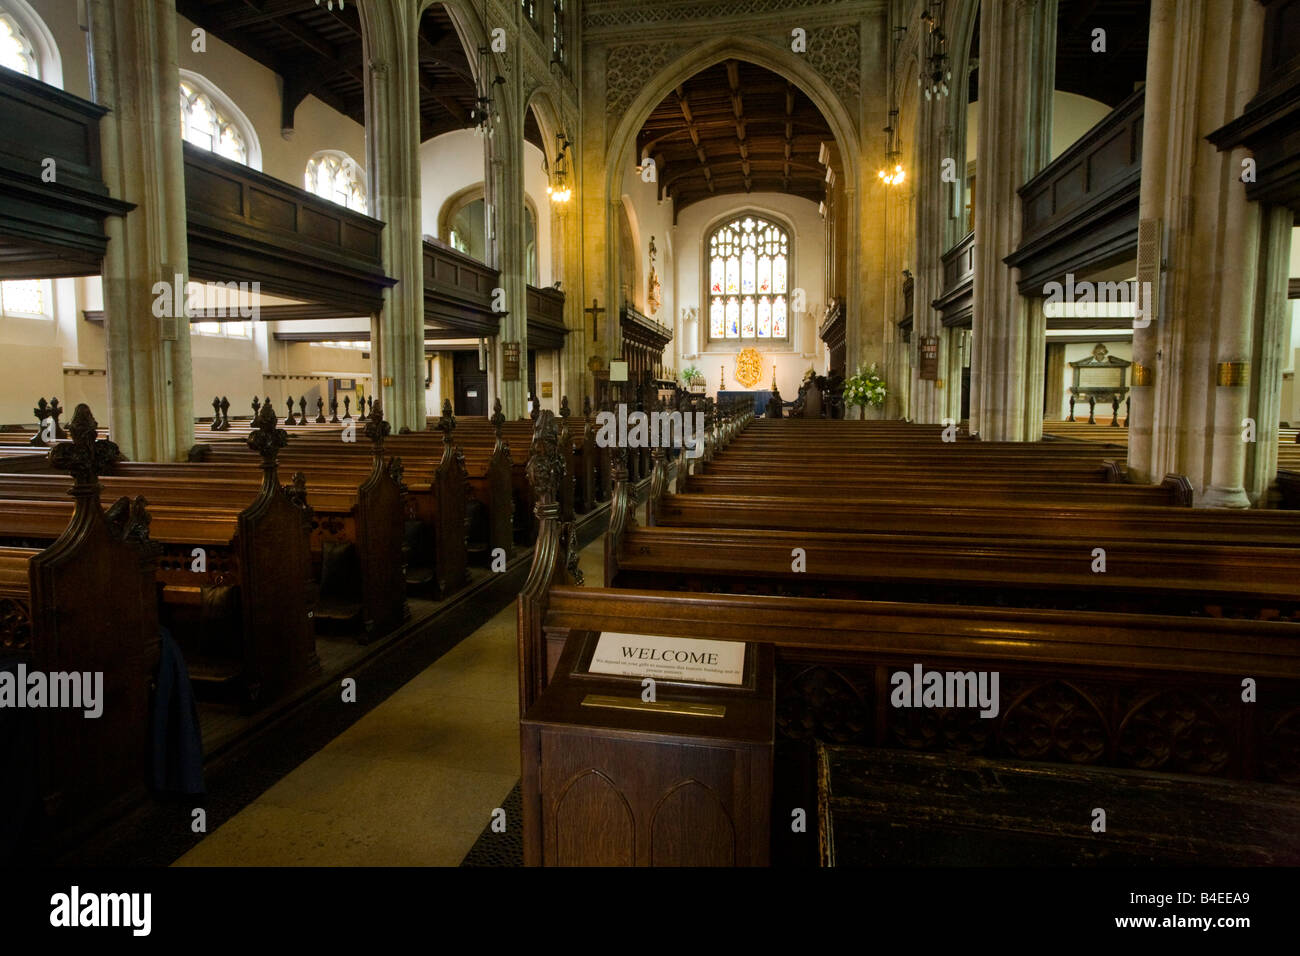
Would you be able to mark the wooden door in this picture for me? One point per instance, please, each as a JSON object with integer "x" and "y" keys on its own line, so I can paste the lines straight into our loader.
{"x": 470, "y": 383}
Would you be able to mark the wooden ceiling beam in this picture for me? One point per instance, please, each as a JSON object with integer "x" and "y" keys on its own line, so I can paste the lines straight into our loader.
{"x": 789, "y": 131}
{"x": 684, "y": 104}
{"x": 738, "y": 113}
{"x": 242, "y": 14}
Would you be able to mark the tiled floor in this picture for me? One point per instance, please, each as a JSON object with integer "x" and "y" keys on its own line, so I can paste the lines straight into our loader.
{"x": 413, "y": 782}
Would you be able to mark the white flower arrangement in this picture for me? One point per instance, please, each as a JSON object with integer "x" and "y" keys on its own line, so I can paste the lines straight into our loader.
{"x": 865, "y": 388}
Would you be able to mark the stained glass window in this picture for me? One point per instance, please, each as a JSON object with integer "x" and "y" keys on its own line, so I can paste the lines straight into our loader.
{"x": 749, "y": 260}
{"x": 203, "y": 125}
{"x": 717, "y": 330}
{"x": 336, "y": 177}
{"x": 15, "y": 49}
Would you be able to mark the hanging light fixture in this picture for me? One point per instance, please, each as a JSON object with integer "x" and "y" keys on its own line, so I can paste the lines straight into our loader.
{"x": 934, "y": 83}
{"x": 893, "y": 174}
{"x": 558, "y": 188}
{"x": 484, "y": 115}
{"x": 329, "y": 4}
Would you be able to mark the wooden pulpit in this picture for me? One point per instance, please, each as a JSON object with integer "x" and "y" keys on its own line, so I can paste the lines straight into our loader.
{"x": 611, "y": 779}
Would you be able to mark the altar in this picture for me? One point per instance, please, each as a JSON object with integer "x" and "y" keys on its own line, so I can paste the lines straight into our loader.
{"x": 760, "y": 398}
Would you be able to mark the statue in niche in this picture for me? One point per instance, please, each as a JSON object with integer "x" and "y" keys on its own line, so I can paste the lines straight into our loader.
{"x": 656, "y": 296}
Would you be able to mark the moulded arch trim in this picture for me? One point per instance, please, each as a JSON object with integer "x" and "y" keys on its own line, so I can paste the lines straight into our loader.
{"x": 710, "y": 53}
{"x": 700, "y": 57}
{"x": 232, "y": 112}
{"x": 42, "y": 40}
{"x": 634, "y": 225}
{"x": 465, "y": 21}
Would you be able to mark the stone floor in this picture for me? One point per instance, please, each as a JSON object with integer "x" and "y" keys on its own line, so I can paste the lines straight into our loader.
{"x": 413, "y": 782}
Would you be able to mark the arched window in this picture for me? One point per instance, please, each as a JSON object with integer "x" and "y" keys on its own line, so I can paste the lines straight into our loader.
{"x": 25, "y": 297}
{"x": 15, "y": 49}
{"x": 210, "y": 120}
{"x": 337, "y": 177}
{"x": 748, "y": 275}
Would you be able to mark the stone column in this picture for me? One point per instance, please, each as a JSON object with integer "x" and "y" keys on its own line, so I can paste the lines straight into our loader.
{"x": 1202, "y": 68}
{"x": 151, "y": 407}
{"x": 1269, "y": 352}
{"x": 931, "y": 202}
{"x": 1017, "y": 71}
{"x": 389, "y": 33}
{"x": 507, "y": 146}
{"x": 594, "y": 218}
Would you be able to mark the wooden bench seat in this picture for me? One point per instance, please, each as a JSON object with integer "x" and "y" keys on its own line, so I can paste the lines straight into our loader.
{"x": 1188, "y": 578}
{"x": 427, "y": 477}
{"x": 813, "y": 512}
{"x": 86, "y": 604}
{"x": 879, "y": 807}
{"x": 243, "y": 618}
{"x": 972, "y": 489}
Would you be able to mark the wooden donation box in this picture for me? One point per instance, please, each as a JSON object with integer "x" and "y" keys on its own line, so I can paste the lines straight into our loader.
{"x": 611, "y": 779}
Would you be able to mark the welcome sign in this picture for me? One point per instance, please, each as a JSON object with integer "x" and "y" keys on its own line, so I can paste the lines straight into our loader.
{"x": 669, "y": 658}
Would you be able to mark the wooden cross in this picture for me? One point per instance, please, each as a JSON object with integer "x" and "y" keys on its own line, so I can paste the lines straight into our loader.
{"x": 595, "y": 312}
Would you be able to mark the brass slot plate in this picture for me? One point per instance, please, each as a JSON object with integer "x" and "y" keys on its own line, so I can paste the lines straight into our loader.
{"x": 678, "y": 708}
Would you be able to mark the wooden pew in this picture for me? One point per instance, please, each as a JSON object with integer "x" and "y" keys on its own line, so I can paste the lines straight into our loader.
{"x": 1099, "y": 689}
{"x": 362, "y": 509}
{"x": 244, "y": 618}
{"x": 86, "y": 604}
{"x": 1012, "y": 519}
{"x": 428, "y": 473}
{"x": 1173, "y": 491}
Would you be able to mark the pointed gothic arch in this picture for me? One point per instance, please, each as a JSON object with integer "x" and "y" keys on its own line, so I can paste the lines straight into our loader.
{"x": 621, "y": 143}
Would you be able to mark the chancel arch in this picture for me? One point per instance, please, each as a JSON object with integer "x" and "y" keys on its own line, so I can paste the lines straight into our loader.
{"x": 624, "y": 147}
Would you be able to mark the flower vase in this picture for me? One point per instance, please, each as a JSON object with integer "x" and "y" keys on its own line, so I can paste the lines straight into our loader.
{"x": 853, "y": 413}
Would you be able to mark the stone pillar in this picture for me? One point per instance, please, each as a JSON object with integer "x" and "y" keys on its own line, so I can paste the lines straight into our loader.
{"x": 1017, "y": 71}
{"x": 1212, "y": 307}
{"x": 931, "y": 202}
{"x": 507, "y": 147}
{"x": 151, "y": 407}
{"x": 1269, "y": 353}
{"x": 389, "y": 32}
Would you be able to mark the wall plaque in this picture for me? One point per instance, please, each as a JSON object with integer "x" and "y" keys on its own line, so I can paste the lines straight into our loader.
{"x": 547, "y": 388}
{"x": 928, "y": 349}
{"x": 510, "y": 361}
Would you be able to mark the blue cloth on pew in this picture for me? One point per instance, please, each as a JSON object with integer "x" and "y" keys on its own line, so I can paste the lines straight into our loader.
{"x": 177, "y": 742}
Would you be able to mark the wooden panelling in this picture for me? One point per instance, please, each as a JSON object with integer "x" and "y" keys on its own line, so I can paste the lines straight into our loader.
{"x": 546, "y": 318}
{"x": 1269, "y": 126}
{"x": 1080, "y": 213}
{"x": 458, "y": 293}
{"x": 247, "y": 226}
{"x": 957, "y": 304}
{"x": 50, "y": 228}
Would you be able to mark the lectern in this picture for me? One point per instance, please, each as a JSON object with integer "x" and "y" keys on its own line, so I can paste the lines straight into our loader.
{"x": 611, "y": 778}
